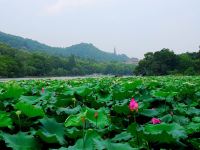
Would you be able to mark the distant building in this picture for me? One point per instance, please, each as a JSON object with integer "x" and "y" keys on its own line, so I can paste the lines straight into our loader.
{"x": 132, "y": 61}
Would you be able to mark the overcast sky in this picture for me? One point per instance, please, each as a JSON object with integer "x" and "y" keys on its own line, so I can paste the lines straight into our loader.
{"x": 134, "y": 27}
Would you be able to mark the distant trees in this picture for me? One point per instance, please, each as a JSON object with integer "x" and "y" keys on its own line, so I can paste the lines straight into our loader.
{"x": 20, "y": 63}
{"x": 165, "y": 62}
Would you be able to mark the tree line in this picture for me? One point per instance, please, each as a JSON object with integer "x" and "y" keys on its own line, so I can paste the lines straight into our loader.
{"x": 166, "y": 62}
{"x": 21, "y": 63}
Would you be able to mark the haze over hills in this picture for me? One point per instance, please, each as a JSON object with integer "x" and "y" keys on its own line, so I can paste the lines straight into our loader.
{"x": 83, "y": 50}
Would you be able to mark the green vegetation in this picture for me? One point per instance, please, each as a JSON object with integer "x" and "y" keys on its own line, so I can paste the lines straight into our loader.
{"x": 20, "y": 63}
{"x": 165, "y": 62}
{"x": 82, "y": 50}
{"x": 95, "y": 114}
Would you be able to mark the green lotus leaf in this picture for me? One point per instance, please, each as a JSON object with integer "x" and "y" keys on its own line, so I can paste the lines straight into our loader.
{"x": 123, "y": 136}
{"x": 51, "y": 131}
{"x": 87, "y": 143}
{"x": 75, "y": 120}
{"x": 101, "y": 121}
{"x": 173, "y": 129}
{"x": 108, "y": 145}
{"x": 30, "y": 110}
{"x": 149, "y": 112}
{"x": 12, "y": 90}
{"x": 121, "y": 107}
{"x": 20, "y": 141}
{"x": 193, "y": 128}
{"x": 69, "y": 111}
{"x": 5, "y": 120}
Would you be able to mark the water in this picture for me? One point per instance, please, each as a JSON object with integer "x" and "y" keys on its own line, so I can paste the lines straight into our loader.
{"x": 51, "y": 78}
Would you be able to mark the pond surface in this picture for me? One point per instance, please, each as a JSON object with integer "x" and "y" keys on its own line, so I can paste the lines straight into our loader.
{"x": 52, "y": 78}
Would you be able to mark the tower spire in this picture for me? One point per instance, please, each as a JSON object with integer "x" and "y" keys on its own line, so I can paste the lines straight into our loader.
{"x": 115, "y": 52}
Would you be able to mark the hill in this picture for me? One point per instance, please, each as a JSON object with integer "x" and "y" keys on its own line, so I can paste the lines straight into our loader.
{"x": 21, "y": 63}
{"x": 83, "y": 50}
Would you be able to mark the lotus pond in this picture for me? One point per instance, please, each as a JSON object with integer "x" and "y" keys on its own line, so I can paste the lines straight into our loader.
{"x": 101, "y": 113}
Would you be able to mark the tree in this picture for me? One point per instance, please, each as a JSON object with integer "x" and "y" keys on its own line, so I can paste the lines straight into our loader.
{"x": 162, "y": 62}
{"x": 20, "y": 63}
{"x": 71, "y": 62}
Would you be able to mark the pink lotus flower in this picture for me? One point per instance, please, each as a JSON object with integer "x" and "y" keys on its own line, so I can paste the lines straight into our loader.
{"x": 155, "y": 121}
{"x": 133, "y": 105}
{"x": 42, "y": 90}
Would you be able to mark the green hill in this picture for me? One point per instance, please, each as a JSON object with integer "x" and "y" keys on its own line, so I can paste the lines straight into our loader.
{"x": 83, "y": 50}
{"x": 22, "y": 63}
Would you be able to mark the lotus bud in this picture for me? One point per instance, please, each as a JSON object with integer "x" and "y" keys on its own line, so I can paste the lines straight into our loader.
{"x": 42, "y": 90}
{"x": 83, "y": 119}
{"x": 155, "y": 121}
{"x": 96, "y": 115}
{"x": 133, "y": 105}
{"x": 18, "y": 112}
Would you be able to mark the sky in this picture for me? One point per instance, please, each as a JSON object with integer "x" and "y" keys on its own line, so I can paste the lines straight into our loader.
{"x": 133, "y": 27}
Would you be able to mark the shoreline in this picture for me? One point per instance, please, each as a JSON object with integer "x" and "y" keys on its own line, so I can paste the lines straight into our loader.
{"x": 52, "y": 78}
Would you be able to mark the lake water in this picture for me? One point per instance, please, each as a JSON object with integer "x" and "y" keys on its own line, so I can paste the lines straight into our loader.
{"x": 52, "y": 78}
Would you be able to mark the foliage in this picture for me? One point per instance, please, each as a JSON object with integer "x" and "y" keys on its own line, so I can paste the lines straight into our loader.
{"x": 5, "y": 120}
{"x": 165, "y": 62}
{"x": 20, "y": 141}
{"x": 20, "y": 63}
{"x": 93, "y": 113}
